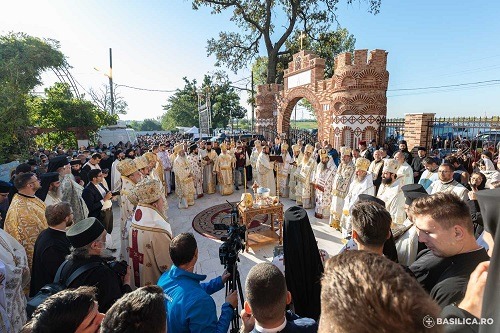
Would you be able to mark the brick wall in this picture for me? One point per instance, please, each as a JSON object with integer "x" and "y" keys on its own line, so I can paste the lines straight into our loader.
{"x": 417, "y": 132}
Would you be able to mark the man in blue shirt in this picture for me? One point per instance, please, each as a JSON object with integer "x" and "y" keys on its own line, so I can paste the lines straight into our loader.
{"x": 189, "y": 305}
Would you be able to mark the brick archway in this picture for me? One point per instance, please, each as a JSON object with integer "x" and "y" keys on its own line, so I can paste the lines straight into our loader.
{"x": 286, "y": 106}
{"x": 354, "y": 99}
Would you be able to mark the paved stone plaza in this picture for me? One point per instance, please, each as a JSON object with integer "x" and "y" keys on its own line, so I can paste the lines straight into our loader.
{"x": 208, "y": 262}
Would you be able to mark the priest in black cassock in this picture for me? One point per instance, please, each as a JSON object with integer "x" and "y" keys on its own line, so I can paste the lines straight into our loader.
{"x": 51, "y": 246}
{"x": 444, "y": 224}
{"x": 482, "y": 297}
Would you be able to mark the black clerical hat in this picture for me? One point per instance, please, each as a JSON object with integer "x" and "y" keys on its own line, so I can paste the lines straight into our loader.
{"x": 57, "y": 162}
{"x": 192, "y": 147}
{"x": 367, "y": 197}
{"x": 4, "y": 187}
{"x": 412, "y": 192}
{"x": 75, "y": 162}
{"x": 50, "y": 177}
{"x": 84, "y": 232}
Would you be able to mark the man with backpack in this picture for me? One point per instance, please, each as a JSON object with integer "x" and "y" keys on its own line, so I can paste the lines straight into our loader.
{"x": 111, "y": 278}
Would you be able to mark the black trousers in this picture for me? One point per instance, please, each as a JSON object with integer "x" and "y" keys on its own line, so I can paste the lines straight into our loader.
{"x": 106, "y": 219}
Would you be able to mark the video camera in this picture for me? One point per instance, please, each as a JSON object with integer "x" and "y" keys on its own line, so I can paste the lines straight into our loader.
{"x": 234, "y": 241}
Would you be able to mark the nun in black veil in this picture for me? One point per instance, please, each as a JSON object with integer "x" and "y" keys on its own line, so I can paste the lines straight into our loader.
{"x": 303, "y": 266}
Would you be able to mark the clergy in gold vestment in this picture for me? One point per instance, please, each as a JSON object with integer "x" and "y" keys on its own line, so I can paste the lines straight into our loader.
{"x": 340, "y": 186}
{"x": 26, "y": 215}
{"x": 284, "y": 170}
{"x": 296, "y": 159}
{"x": 305, "y": 178}
{"x": 224, "y": 165}
{"x": 208, "y": 157}
{"x": 184, "y": 182}
{"x": 265, "y": 171}
{"x": 150, "y": 235}
{"x": 196, "y": 169}
{"x": 253, "y": 158}
{"x": 130, "y": 175}
{"x": 323, "y": 180}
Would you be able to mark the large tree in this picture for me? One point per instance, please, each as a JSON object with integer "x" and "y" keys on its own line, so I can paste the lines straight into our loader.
{"x": 60, "y": 110}
{"x": 23, "y": 59}
{"x": 182, "y": 107}
{"x": 262, "y": 22}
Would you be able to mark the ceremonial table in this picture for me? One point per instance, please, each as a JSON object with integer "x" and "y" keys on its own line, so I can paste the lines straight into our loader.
{"x": 268, "y": 235}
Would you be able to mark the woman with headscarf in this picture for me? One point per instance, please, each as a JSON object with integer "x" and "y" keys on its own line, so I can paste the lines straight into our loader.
{"x": 488, "y": 169}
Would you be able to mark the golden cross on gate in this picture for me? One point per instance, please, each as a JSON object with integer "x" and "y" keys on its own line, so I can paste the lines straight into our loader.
{"x": 301, "y": 37}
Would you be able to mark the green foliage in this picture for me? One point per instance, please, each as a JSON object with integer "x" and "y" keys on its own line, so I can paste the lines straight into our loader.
{"x": 22, "y": 61}
{"x": 182, "y": 107}
{"x": 326, "y": 45}
{"x": 60, "y": 111}
{"x": 270, "y": 23}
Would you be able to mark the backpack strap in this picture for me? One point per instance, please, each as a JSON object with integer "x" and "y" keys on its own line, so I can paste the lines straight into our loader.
{"x": 79, "y": 272}
{"x": 57, "y": 278}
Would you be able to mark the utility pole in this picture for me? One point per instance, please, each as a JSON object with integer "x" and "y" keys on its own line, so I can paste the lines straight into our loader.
{"x": 111, "y": 82}
{"x": 253, "y": 111}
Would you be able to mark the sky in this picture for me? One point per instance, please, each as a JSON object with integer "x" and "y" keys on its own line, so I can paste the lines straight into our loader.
{"x": 156, "y": 43}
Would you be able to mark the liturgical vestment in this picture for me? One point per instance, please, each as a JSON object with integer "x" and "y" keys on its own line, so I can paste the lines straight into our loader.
{"x": 25, "y": 220}
{"x": 149, "y": 241}
{"x": 224, "y": 168}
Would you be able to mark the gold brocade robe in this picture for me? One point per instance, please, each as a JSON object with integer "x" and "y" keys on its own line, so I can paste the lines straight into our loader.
{"x": 184, "y": 183}
{"x": 208, "y": 161}
{"x": 340, "y": 187}
{"x": 292, "y": 184}
{"x": 265, "y": 174}
{"x": 224, "y": 169}
{"x": 25, "y": 220}
{"x": 149, "y": 242}
{"x": 126, "y": 211}
{"x": 305, "y": 187}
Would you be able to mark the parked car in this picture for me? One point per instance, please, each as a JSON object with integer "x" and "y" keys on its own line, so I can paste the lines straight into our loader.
{"x": 490, "y": 138}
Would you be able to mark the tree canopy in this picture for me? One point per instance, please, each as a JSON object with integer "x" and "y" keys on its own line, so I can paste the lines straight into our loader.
{"x": 22, "y": 61}
{"x": 182, "y": 107}
{"x": 60, "y": 110}
{"x": 261, "y": 22}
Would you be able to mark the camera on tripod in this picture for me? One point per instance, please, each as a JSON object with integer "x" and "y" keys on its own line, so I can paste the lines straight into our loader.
{"x": 234, "y": 241}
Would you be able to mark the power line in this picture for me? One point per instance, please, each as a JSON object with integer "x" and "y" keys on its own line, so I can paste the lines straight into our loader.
{"x": 447, "y": 90}
{"x": 444, "y": 86}
{"x": 146, "y": 89}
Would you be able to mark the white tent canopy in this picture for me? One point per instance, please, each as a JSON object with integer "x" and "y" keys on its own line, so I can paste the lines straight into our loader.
{"x": 188, "y": 130}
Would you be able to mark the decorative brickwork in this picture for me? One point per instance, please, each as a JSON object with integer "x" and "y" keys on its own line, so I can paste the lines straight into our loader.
{"x": 349, "y": 106}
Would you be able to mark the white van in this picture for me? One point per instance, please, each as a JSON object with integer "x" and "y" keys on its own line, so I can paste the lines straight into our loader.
{"x": 116, "y": 134}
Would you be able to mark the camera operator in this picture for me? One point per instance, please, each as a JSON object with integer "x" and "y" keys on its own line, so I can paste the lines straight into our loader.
{"x": 111, "y": 278}
{"x": 189, "y": 305}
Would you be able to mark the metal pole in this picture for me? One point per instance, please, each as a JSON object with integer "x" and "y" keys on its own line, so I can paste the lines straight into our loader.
{"x": 111, "y": 82}
{"x": 253, "y": 111}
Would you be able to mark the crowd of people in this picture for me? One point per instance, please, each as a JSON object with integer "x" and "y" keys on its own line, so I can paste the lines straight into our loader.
{"x": 418, "y": 233}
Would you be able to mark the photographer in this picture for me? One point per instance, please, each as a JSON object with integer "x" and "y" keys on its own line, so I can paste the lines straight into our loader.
{"x": 112, "y": 279}
{"x": 189, "y": 305}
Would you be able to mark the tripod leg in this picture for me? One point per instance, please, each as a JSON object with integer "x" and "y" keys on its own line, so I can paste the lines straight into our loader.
{"x": 240, "y": 290}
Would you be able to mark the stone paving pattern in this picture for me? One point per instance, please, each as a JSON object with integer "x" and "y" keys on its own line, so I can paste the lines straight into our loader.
{"x": 208, "y": 262}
